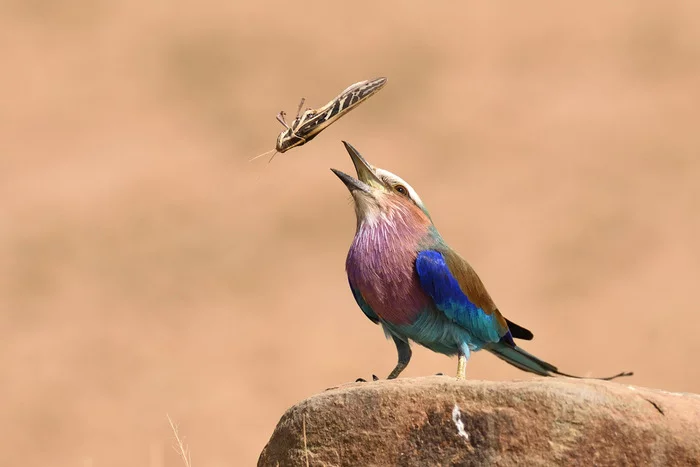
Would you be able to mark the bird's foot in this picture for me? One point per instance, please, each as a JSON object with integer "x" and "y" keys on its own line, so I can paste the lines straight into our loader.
{"x": 362, "y": 380}
{"x": 439, "y": 374}
{"x": 358, "y": 380}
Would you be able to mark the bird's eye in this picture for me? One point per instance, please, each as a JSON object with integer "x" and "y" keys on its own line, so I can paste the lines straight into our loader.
{"x": 401, "y": 189}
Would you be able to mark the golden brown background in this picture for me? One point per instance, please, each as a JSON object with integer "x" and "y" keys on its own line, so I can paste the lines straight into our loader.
{"x": 146, "y": 268}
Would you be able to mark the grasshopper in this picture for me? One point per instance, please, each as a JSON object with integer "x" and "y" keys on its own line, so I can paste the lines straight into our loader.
{"x": 308, "y": 125}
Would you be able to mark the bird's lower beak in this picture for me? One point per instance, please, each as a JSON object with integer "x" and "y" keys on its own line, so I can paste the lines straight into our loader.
{"x": 366, "y": 179}
{"x": 352, "y": 183}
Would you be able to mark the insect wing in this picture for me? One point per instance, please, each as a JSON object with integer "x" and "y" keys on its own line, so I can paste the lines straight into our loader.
{"x": 315, "y": 121}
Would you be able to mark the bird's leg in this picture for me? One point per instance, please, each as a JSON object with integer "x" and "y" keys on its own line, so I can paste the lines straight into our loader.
{"x": 462, "y": 358}
{"x": 404, "y": 357}
{"x": 461, "y": 367}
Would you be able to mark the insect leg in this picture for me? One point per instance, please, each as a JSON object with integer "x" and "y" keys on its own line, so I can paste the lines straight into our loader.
{"x": 280, "y": 118}
{"x": 301, "y": 104}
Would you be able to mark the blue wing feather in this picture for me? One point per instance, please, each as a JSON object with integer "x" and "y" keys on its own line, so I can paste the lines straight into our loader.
{"x": 440, "y": 284}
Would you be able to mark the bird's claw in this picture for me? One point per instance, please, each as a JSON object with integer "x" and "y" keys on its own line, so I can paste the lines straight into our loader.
{"x": 362, "y": 380}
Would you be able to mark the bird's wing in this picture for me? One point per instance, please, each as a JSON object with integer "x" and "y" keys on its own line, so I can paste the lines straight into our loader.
{"x": 366, "y": 309}
{"x": 459, "y": 293}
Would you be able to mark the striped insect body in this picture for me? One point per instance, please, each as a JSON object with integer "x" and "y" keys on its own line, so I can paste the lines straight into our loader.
{"x": 306, "y": 126}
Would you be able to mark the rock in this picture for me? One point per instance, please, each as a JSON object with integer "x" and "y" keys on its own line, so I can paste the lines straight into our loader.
{"x": 441, "y": 421}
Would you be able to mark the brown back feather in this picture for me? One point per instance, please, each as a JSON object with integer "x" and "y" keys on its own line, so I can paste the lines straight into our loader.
{"x": 471, "y": 285}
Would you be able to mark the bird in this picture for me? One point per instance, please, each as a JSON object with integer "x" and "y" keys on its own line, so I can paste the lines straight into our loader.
{"x": 406, "y": 278}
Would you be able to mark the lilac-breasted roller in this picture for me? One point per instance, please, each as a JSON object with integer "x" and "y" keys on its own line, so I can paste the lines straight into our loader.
{"x": 405, "y": 277}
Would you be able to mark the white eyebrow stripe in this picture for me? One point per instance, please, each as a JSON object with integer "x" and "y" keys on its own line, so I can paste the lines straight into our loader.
{"x": 394, "y": 179}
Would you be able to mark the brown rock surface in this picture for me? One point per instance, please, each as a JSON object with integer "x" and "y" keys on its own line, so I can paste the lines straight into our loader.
{"x": 441, "y": 421}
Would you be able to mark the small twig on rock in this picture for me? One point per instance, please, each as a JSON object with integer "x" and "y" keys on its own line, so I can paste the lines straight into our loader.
{"x": 306, "y": 449}
{"x": 656, "y": 406}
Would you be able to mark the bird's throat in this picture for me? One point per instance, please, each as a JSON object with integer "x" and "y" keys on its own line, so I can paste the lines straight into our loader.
{"x": 380, "y": 264}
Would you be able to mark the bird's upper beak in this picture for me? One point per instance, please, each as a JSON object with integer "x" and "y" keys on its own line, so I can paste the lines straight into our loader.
{"x": 366, "y": 181}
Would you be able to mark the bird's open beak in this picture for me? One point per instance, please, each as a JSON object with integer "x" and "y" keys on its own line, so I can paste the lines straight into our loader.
{"x": 366, "y": 179}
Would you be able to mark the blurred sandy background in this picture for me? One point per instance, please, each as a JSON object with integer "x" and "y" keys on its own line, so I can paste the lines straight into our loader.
{"x": 146, "y": 268}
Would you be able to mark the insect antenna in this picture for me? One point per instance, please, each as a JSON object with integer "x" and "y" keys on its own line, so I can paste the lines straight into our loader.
{"x": 263, "y": 154}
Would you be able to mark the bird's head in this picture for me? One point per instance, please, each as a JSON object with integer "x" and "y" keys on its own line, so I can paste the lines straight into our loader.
{"x": 379, "y": 194}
